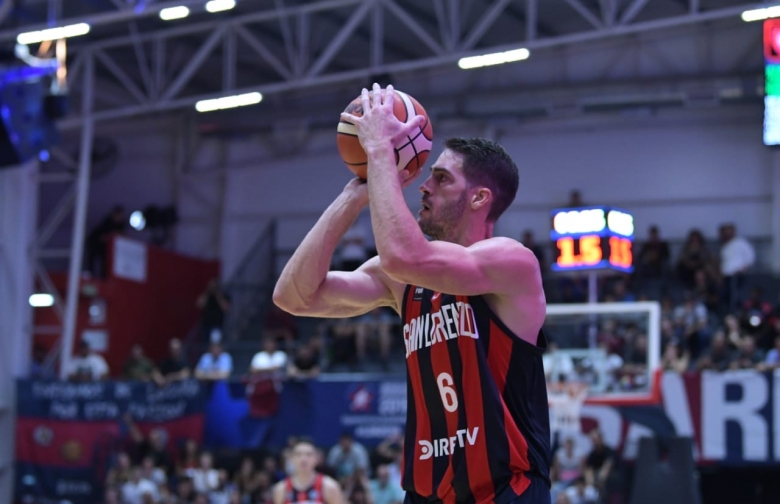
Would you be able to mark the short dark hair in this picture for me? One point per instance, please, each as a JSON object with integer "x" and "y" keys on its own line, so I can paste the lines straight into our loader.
{"x": 487, "y": 164}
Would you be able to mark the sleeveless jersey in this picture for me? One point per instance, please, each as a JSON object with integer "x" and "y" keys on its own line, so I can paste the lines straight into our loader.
{"x": 477, "y": 420}
{"x": 312, "y": 495}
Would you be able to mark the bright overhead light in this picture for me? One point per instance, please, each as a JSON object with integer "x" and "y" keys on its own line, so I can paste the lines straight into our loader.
{"x": 137, "y": 220}
{"x": 220, "y": 5}
{"x": 60, "y": 32}
{"x": 41, "y": 300}
{"x": 174, "y": 13}
{"x": 761, "y": 14}
{"x": 493, "y": 59}
{"x": 228, "y": 102}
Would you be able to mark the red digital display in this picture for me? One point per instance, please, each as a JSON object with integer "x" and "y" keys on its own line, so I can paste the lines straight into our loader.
{"x": 593, "y": 251}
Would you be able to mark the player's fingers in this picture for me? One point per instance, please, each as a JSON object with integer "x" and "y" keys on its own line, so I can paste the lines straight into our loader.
{"x": 389, "y": 98}
{"x": 347, "y": 117}
{"x": 379, "y": 94}
{"x": 412, "y": 126}
{"x": 365, "y": 100}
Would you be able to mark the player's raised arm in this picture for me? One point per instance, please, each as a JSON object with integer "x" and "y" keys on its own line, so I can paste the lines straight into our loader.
{"x": 307, "y": 288}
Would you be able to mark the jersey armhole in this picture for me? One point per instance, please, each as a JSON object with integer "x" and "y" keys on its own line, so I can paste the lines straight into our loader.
{"x": 404, "y": 302}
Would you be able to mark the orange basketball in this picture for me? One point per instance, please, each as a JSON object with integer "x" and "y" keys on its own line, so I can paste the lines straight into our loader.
{"x": 410, "y": 155}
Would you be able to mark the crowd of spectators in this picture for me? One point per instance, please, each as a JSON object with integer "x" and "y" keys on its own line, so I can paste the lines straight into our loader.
{"x": 154, "y": 470}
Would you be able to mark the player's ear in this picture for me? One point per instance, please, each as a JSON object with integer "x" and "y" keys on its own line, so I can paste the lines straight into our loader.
{"x": 480, "y": 198}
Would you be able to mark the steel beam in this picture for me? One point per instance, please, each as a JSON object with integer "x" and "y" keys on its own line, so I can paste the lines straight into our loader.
{"x": 339, "y": 40}
{"x": 530, "y": 19}
{"x": 632, "y": 10}
{"x": 120, "y": 75}
{"x": 263, "y": 51}
{"x": 415, "y": 27}
{"x": 80, "y": 217}
{"x": 200, "y": 56}
{"x": 377, "y": 35}
{"x": 585, "y": 13}
{"x": 484, "y": 24}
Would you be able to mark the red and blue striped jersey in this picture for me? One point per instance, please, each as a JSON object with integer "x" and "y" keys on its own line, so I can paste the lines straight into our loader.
{"x": 477, "y": 417}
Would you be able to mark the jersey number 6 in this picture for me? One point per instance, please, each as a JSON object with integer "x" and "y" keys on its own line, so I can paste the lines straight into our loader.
{"x": 448, "y": 396}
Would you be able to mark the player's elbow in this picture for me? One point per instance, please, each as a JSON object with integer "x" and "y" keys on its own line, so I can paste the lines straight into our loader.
{"x": 398, "y": 268}
{"x": 287, "y": 301}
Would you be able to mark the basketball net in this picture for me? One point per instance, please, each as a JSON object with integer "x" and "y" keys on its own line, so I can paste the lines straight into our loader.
{"x": 565, "y": 401}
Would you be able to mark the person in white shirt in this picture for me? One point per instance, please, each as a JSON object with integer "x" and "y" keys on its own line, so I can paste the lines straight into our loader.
{"x": 86, "y": 365}
{"x": 134, "y": 490}
{"x": 215, "y": 364}
{"x": 270, "y": 360}
{"x": 205, "y": 478}
{"x": 384, "y": 490}
{"x": 736, "y": 256}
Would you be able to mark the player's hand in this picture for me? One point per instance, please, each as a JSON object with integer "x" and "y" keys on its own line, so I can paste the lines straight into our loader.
{"x": 378, "y": 127}
{"x": 357, "y": 190}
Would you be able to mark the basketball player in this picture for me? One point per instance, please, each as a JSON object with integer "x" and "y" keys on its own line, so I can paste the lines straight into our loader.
{"x": 306, "y": 485}
{"x": 472, "y": 306}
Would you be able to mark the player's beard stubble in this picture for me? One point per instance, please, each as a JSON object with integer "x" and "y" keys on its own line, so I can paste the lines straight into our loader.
{"x": 443, "y": 219}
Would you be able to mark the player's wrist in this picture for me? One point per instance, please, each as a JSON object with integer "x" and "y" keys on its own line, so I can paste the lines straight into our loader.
{"x": 378, "y": 148}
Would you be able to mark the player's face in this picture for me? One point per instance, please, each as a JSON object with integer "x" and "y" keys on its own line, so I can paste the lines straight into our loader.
{"x": 304, "y": 458}
{"x": 444, "y": 196}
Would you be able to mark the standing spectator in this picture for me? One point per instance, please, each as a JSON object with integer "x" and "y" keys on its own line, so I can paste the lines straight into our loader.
{"x": 749, "y": 356}
{"x": 306, "y": 364}
{"x": 675, "y": 358}
{"x": 599, "y": 462}
{"x": 99, "y": 238}
{"x": 174, "y": 367}
{"x": 653, "y": 259}
{"x": 121, "y": 472}
{"x": 270, "y": 360}
{"x": 133, "y": 491}
{"x": 773, "y": 356}
{"x": 214, "y": 304}
{"x": 719, "y": 357}
{"x": 214, "y": 364}
{"x": 538, "y": 251}
{"x": 86, "y": 365}
{"x": 736, "y": 256}
{"x": 383, "y": 490}
{"x": 205, "y": 478}
{"x": 138, "y": 366}
{"x": 582, "y": 493}
{"x": 376, "y": 324}
{"x": 347, "y": 456}
{"x": 694, "y": 257}
{"x": 706, "y": 290}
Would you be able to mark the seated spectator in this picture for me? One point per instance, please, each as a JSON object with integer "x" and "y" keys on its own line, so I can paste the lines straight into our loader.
{"x": 204, "y": 478}
{"x": 719, "y": 356}
{"x": 270, "y": 360}
{"x": 215, "y": 364}
{"x": 582, "y": 493}
{"x": 694, "y": 257}
{"x": 675, "y": 358}
{"x": 749, "y": 356}
{"x": 174, "y": 367}
{"x": 690, "y": 320}
{"x": 247, "y": 480}
{"x": 347, "y": 456}
{"x": 391, "y": 452}
{"x": 185, "y": 490}
{"x": 538, "y": 251}
{"x": 154, "y": 446}
{"x": 756, "y": 313}
{"x": 121, "y": 472}
{"x": 620, "y": 293}
{"x": 558, "y": 366}
{"x": 773, "y": 356}
{"x": 136, "y": 488}
{"x": 357, "y": 487}
{"x": 189, "y": 457}
{"x": 86, "y": 365}
{"x": 598, "y": 463}
{"x": 383, "y": 490}
{"x": 342, "y": 337}
{"x": 225, "y": 488}
{"x": 111, "y": 495}
{"x": 151, "y": 472}
{"x": 653, "y": 258}
{"x": 567, "y": 465}
{"x": 138, "y": 366}
{"x": 306, "y": 364}
{"x": 38, "y": 370}
{"x": 376, "y": 324}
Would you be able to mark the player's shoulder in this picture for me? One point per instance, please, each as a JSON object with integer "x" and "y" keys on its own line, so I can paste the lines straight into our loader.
{"x": 328, "y": 482}
{"x": 503, "y": 246}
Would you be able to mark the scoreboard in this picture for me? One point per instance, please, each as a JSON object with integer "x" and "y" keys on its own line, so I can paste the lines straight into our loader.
{"x": 772, "y": 82}
{"x": 592, "y": 238}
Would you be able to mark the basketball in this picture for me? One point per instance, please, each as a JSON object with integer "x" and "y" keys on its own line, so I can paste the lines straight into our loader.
{"x": 410, "y": 155}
